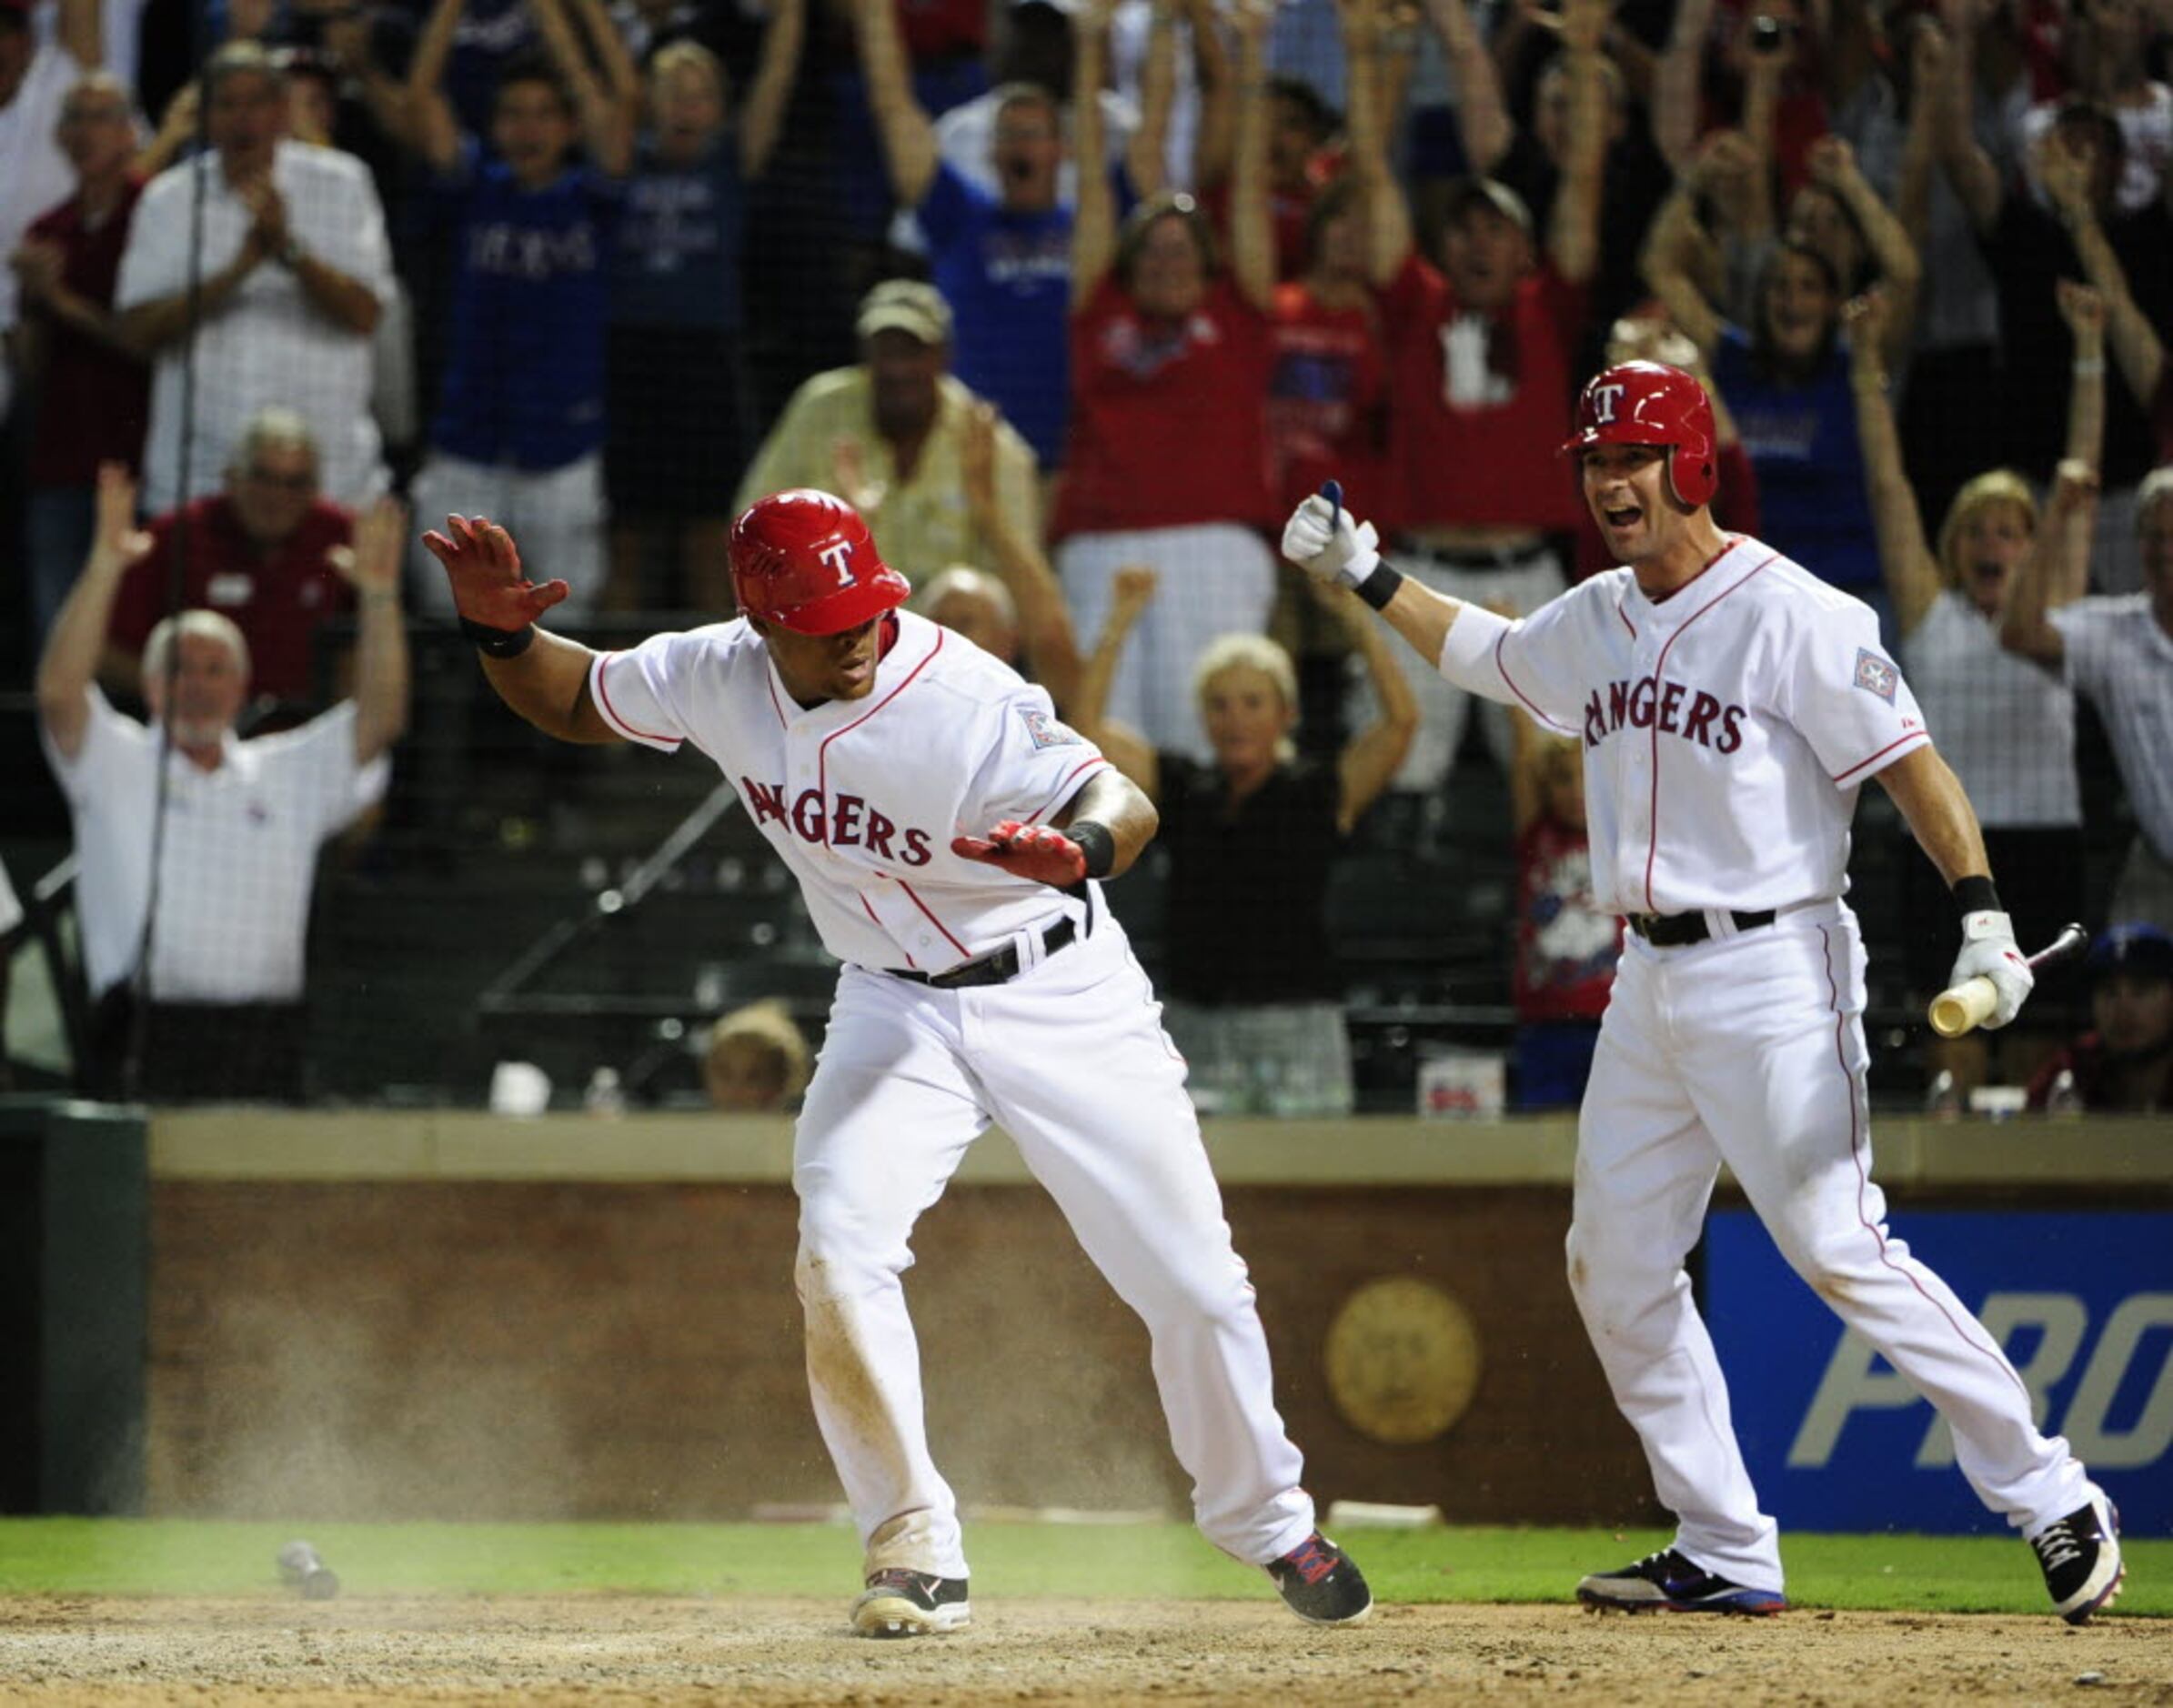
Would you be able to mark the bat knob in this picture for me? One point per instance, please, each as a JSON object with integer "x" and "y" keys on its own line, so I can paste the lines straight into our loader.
{"x": 1332, "y": 490}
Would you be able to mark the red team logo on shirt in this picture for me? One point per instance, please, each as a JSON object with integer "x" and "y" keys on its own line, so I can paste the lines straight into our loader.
{"x": 1875, "y": 676}
{"x": 848, "y": 821}
{"x": 1675, "y": 707}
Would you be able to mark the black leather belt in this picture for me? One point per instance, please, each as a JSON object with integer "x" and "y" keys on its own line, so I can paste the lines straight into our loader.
{"x": 999, "y": 966}
{"x": 1679, "y": 930}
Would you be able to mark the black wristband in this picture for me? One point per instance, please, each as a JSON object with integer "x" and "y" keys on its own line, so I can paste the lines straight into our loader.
{"x": 1976, "y": 895}
{"x": 1380, "y": 586}
{"x": 499, "y": 643}
{"x": 1096, "y": 843}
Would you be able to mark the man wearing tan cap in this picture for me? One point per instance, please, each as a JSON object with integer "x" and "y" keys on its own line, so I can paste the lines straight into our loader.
{"x": 889, "y": 436}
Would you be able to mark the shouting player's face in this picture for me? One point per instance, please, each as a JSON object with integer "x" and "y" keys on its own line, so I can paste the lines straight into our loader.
{"x": 1626, "y": 487}
{"x": 816, "y": 668}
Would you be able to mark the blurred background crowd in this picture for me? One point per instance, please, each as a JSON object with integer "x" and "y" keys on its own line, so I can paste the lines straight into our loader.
{"x": 1073, "y": 298}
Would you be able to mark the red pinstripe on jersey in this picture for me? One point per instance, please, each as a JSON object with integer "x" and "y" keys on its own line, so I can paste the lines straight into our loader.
{"x": 1652, "y": 851}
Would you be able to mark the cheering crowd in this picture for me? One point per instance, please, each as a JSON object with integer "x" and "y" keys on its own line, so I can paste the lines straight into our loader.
{"x": 1073, "y": 302}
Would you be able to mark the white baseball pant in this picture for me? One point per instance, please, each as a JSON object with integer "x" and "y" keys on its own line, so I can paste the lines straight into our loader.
{"x": 1071, "y": 1057}
{"x": 1749, "y": 1048}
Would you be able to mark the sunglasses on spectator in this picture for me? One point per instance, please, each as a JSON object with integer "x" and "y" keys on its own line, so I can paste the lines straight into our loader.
{"x": 301, "y": 480}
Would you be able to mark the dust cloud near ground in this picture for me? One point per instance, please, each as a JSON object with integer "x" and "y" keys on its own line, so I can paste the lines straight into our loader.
{"x": 72, "y": 1652}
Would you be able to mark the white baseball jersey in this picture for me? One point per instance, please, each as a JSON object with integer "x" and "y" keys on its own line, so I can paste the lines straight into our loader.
{"x": 1727, "y": 729}
{"x": 861, "y": 797}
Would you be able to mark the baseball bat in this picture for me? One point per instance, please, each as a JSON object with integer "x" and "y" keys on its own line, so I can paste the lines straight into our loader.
{"x": 1963, "y": 1008}
{"x": 1332, "y": 490}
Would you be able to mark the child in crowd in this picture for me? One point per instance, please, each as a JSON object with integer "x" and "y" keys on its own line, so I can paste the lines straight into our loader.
{"x": 673, "y": 366}
{"x": 1565, "y": 946}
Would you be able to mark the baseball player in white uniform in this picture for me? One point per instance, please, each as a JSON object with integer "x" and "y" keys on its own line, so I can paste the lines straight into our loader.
{"x": 1731, "y": 705}
{"x": 950, "y": 835}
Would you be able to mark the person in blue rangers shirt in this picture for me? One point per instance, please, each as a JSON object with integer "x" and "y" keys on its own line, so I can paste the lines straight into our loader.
{"x": 519, "y": 427}
{"x": 672, "y": 371}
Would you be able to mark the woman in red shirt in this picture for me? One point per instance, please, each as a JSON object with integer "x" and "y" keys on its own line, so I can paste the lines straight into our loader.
{"x": 1168, "y": 461}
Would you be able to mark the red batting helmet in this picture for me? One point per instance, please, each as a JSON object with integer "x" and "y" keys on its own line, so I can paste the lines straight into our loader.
{"x": 1650, "y": 403}
{"x": 806, "y": 561}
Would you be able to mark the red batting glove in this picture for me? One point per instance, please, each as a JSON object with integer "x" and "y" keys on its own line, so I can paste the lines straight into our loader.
{"x": 1038, "y": 851}
{"x": 483, "y": 563}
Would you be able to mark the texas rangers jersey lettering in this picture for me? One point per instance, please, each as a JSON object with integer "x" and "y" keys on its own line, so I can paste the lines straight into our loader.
{"x": 1726, "y": 729}
{"x": 861, "y": 797}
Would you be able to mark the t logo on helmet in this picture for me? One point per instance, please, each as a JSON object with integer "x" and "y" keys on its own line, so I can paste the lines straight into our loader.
{"x": 1604, "y": 399}
{"x": 839, "y": 557}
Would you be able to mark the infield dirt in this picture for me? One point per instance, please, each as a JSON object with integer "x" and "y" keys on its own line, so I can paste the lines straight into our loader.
{"x": 68, "y": 1652}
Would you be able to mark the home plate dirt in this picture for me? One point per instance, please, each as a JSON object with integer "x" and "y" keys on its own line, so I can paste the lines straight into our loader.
{"x": 612, "y": 1650}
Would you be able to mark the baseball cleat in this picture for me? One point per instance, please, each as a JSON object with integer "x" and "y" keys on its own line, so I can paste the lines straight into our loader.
{"x": 900, "y": 1602}
{"x": 2080, "y": 1557}
{"x": 1321, "y": 1584}
{"x": 1667, "y": 1583}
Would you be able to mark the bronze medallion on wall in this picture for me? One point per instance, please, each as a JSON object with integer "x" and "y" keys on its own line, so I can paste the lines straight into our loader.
{"x": 1403, "y": 1360}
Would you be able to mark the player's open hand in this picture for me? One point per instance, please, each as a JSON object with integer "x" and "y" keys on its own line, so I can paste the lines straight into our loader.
{"x": 1039, "y": 851}
{"x": 483, "y": 563}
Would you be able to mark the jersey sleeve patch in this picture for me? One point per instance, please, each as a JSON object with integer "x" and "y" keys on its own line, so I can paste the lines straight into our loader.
{"x": 1875, "y": 676}
{"x": 1046, "y": 731}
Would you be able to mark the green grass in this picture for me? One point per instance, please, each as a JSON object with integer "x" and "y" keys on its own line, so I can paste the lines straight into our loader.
{"x": 176, "y": 1557}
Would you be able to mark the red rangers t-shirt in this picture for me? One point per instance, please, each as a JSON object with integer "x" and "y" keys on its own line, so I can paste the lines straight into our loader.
{"x": 277, "y": 598}
{"x": 1169, "y": 418}
{"x": 1328, "y": 403}
{"x": 1482, "y": 404}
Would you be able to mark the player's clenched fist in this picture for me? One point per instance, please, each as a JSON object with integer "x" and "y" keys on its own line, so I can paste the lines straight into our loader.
{"x": 1989, "y": 951}
{"x": 1039, "y": 851}
{"x": 1323, "y": 540}
{"x": 483, "y": 563}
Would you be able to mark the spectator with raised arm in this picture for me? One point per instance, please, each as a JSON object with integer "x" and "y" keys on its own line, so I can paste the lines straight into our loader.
{"x": 890, "y": 434}
{"x": 2077, "y": 162}
{"x": 1252, "y": 834}
{"x": 1013, "y": 607}
{"x": 1003, "y": 260}
{"x": 1168, "y": 465}
{"x": 1483, "y": 335}
{"x": 85, "y": 394}
{"x": 2007, "y": 727}
{"x": 255, "y": 274}
{"x": 520, "y": 425}
{"x": 1785, "y": 376}
{"x": 678, "y": 443}
{"x": 1533, "y": 159}
{"x": 225, "y": 914}
{"x": 2137, "y": 345}
{"x": 1328, "y": 392}
{"x": 2118, "y": 649}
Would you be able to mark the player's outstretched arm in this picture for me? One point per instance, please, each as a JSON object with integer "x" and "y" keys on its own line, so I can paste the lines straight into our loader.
{"x": 542, "y": 676}
{"x": 1097, "y": 834}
